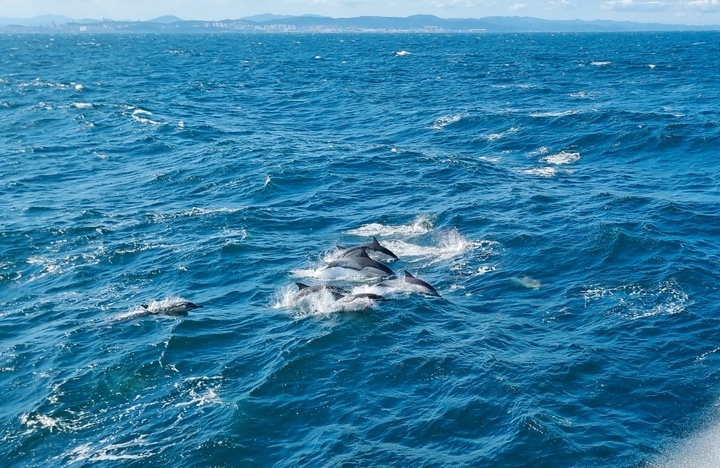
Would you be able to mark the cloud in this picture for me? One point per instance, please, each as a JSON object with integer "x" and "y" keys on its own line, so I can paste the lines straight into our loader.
{"x": 632, "y": 5}
{"x": 705, "y": 6}
{"x": 518, "y": 6}
{"x": 560, "y": 5}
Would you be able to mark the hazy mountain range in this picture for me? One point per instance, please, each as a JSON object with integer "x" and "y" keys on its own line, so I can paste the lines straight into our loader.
{"x": 310, "y": 23}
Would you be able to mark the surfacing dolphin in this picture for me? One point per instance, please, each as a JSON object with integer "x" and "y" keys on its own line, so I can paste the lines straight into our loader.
{"x": 373, "y": 246}
{"x": 363, "y": 264}
{"x": 175, "y": 308}
{"x": 304, "y": 290}
{"x": 362, "y": 301}
{"x": 410, "y": 283}
{"x": 342, "y": 300}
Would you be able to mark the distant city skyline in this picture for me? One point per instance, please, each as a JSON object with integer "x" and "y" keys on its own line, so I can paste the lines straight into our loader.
{"x": 691, "y": 12}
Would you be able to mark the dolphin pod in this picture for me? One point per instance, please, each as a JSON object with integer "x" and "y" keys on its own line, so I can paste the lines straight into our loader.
{"x": 357, "y": 261}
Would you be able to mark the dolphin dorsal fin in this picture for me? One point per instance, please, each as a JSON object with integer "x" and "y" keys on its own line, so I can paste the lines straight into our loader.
{"x": 144, "y": 306}
{"x": 408, "y": 275}
{"x": 363, "y": 253}
{"x": 375, "y": 242}
{"x": 302, "y": 286}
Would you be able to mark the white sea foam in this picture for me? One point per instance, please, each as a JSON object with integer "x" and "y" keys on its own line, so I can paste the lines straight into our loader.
{"x": 539, "y": 152}
{"x": 402, "y": 53}
{"x": 323, "y": 273}
{"x": 541, "y": 171}
{"x": 141, "y": 115}
{"x": 563, "y": 157}
{"x": 445, "y": 120}
{"x": 420, "y": 225}
{"x": 108, "y": 451}
{"x": 600, "y": 63}
{"x": 77, "y": 422}
{"x": 558, "y": 113}
{"x": 202, "y": 391}
{"x": 637, "y": 302}
{"x": 321, "y": 302}
{"x": 497, "y": 136}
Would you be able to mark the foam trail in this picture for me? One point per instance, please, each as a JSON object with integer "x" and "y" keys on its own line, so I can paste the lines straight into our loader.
{"x": 319, "y": 303}
{"x": 421, "y": 225}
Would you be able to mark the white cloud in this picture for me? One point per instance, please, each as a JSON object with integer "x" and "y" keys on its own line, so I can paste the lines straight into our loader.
{"x": 632, "y": 5}
{"x": 705, "y": 6}
{"x": 518, "y": 6}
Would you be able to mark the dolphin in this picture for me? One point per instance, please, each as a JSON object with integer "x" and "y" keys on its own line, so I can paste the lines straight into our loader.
{"x": 362, "y": 301}
{"x": 373, "y": 246}
{"x": 304, "y": 290}
{"x": 371, "y": 296}
{"x": 410, "y": 283}
{"x": 177, "y": 308}
{"x": 362, "y": 264}
{"x": 425, "y": 287}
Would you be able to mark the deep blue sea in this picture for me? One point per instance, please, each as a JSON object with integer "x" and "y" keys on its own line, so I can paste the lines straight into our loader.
{"x": 560, "y": 191}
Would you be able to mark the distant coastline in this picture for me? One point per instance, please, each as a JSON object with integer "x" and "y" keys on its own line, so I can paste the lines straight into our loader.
{"x": 321, "y": 24}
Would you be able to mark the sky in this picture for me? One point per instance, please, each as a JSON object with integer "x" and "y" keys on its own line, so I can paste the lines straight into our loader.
{"x": 696, "y": 12}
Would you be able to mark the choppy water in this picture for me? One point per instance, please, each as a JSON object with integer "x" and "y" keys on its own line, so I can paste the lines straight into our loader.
{"x": 559, "y": 191}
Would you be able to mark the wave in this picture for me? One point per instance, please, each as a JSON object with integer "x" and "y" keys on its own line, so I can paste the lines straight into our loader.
{"x": 141, "y": 115}
{"x": 421, "y": 225}
{"x": 446, "y": 120}
{"x": 563, "y": 157}
{"x": 541, "y": 171}
{"x": 320, "y": 303}
{"x": 635, "y": 301}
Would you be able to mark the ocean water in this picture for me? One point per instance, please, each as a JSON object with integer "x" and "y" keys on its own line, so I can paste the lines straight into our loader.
{"x": 560, "y": 191}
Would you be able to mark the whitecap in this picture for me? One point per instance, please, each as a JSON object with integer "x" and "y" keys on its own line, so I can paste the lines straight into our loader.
{"x": 497, "y": 136}
{"x": 401, "y": 53}
{"x": 558, "y": 113}
{"x": 319, "y": 303}
{"x": 540, "y": 151}
{"x": 541, "y": 172}
{"x": 420, "y": 225}
{"x": 138, "y": 116}
{"x": 635, "y": 301}
{"x": 563, "y": 157}
{"x": 445, "y": 120}
{"x": 600, "y": 63}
